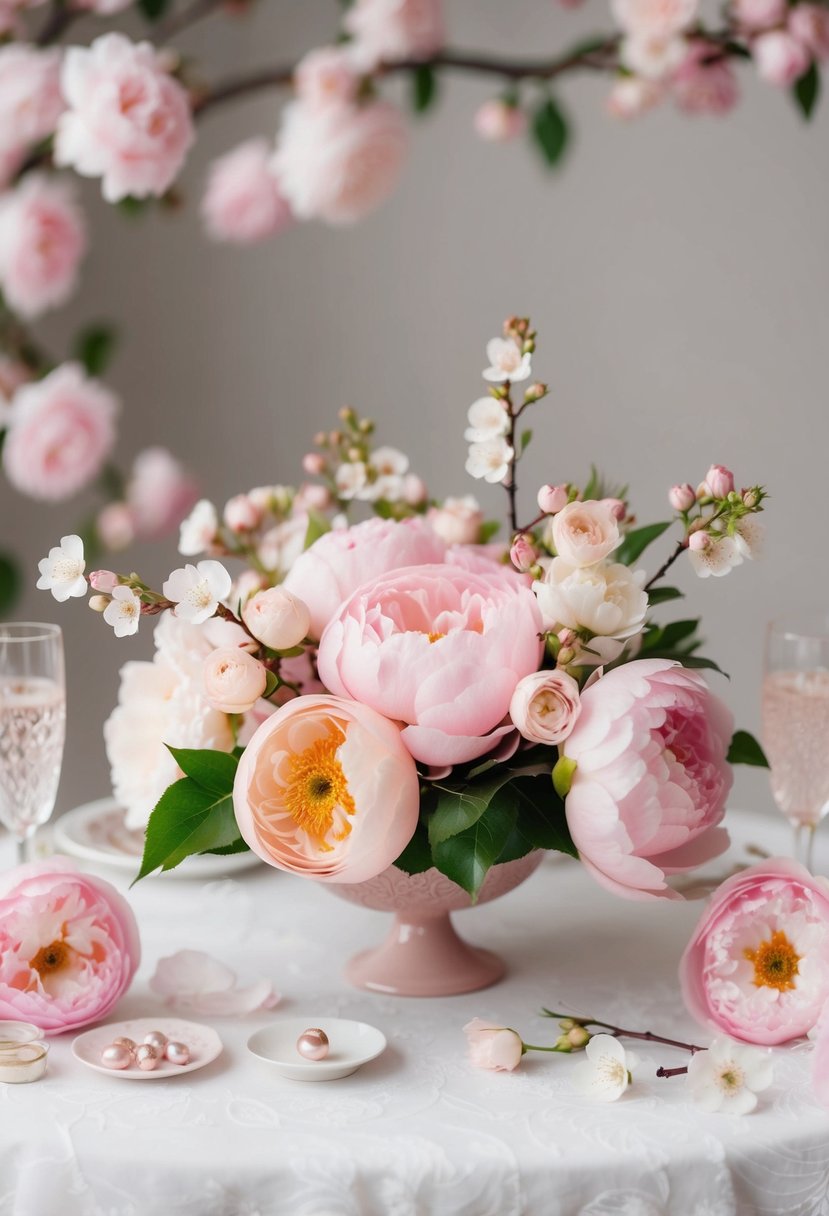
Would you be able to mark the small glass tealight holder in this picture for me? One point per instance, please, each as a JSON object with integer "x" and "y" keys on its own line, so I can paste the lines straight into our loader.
{"x": 23, "y": 1056}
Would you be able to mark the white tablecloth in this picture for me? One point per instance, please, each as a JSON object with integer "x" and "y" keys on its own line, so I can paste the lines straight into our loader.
{"x": 417, "y": 1131}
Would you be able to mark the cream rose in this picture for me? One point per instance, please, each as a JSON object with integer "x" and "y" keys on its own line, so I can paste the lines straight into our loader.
{"x": 233, "y": 680}
{"x": 277, "y": 618}
{"x": 545, "y": 706}
{"x": 584, "y": 533}
{"x": 606, "y": 600}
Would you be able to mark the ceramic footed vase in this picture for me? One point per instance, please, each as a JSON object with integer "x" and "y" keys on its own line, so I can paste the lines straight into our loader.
{"x": 423, "y": 954}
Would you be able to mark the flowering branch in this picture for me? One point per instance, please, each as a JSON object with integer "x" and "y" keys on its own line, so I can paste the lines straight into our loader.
{"x": 568, "y": 1023}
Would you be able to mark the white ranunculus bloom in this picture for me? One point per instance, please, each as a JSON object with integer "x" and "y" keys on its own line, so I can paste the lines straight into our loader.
{"x": 490, "y": 460}
{"x": 506, "y": 362}
{"x": 123, "y": 612}
{"x": 605, "y": 1072}
{"x": 198, "y": 530}
{"x": 488, "y": 419}
{"x": 197, "y": 590}
{"x": 606, "y": 599}
{"x": 728, "y": 1076}
{"x": 62, "y": 571}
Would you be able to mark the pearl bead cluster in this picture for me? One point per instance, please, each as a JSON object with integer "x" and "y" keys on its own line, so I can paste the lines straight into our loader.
{"x": 126, "y": 1053}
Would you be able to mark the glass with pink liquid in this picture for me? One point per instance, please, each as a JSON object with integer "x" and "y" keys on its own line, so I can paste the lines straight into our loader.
{"x": 32, "y": 725}
{"x": 796, "y": 723}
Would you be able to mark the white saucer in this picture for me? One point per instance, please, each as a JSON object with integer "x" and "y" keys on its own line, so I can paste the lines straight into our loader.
{"x": 96, "y": 832}
{"x": 205, "y": 1045}
{"x": 352, "y": 1044}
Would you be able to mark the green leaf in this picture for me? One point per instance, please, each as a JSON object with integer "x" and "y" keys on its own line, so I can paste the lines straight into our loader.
{"x": 636, "y": 542}
{"x": 133, "y": 207}
{"x": 550, "y": 131}
{"x": 187, "y": 819}
{"x": 676, "y": 632}
{"x": 541, "y": 822}
{"x": 563, "y": 773}
{"x": 214, "y": 771}
{"x": 318, "y": 525}
{"x": 424, "y": 88}
{"x": 806, "y": 91}
{"x": 238, "y": 846}
{"x": 416, "y": 858}
{"x": 153, "y": 9}
{"x": 9, "y": 583}
{"x": 466, "y": 859}
{"x": 488, "y": 529}
{"x": 697, "y": 661}
{"x": 459, "y": 809}
{"x": 661, "y": 595}
{"x": 272, "y": 682}
{"x": 591, "y": 490}
{"x": 745, "y": 749}
{"x": 94, "y": 348}
{"x": 526, "y": 439}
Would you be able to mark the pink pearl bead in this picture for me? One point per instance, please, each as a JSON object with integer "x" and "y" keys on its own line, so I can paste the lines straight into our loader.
{"x": 116, "y": 1056}
{"x": 177, "y": 1053}
{"x": 154, "y": 1038}
{"x": 313, "y": 1044}
{"x": 146, "y": 1057}
{"x": 130, "y": 1044}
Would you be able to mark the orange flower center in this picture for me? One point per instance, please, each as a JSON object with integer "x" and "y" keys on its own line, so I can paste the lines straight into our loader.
{"x": 435, "y": 637}
{"x": 51, "y": 958}
{"x": 317, "y": 787}
{"x": 775, "y": 963}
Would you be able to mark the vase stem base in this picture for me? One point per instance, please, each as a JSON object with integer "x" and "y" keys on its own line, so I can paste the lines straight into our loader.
{"x": 424, "y": 957}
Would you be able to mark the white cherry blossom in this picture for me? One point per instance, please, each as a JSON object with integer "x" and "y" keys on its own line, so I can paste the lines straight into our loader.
{"x": 62, "y": 571}
{"x": 728, "y": 1076}
{"x": 198, "y": 590}
{"x": 123, "y": 612}
{"x": 719, "y": 556}
{"x": 198, "y": 531}
{"x": 351, "y": 478}
{"x": 506, "y": 362}
{"x": 488, "y": 419}
{"x": 605, "y": 1072}
{"x": 491, "y": 460}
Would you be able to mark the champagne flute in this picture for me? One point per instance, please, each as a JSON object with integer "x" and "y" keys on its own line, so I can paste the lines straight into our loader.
{"x": 32, "y": 726}
{"x": 796, "y": 723}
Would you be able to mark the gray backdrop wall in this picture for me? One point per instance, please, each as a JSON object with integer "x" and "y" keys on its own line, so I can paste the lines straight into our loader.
{"x": 677, "y": 271}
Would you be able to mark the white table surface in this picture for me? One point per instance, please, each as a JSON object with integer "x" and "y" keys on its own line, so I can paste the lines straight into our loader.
{"x": 417, "y": 1131}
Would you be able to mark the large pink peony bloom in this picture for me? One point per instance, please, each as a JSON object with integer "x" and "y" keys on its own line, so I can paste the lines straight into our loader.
{"x": 338, "y": 163}
{"x": 757, "y": 965}
{"x": 30, "y": 97}
{"x": 325, "y": 575}
{"x": 62, "y": 430}
{"x": 325, "y": 788}
{"x": 652, "y": 778}
{"x": 243, "y": 202}
{"x": 42, "y": 241}
{"x": 389, "y": 30}
{"x": 128, "y": 121}
{"x": 439, "y": 648}
{"x": 69, "y": 946}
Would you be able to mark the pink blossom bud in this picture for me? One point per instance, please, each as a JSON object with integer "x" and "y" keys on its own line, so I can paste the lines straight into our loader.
{"x": 313, "y": 464}
{"x": 780, "y": 58}
{"x": 698, "y": 541}
{"x": 103, "y": 580}
{"x": 498, "y": 122}
{"x": 276, "y": 618}
{"x": 311, "y": 497}
{"x": 567, "y": 637}
{"x": 522, "y": 554}
{"x": 719, "y": 480}
{"x": 233, "y": 680}
{"x": 99, "y": 603}
{"x": 552, "y": 499}
{"x": 756, "y": 15}
{"x": 415, "y": 492}
{"x": 809, "y": 24}
{"x": 617, "y": 507}
{"x": 116, "y": 526}
{"x": 242, "y": 514}
{"x": 750, "y": 498}
{"x": 682, "y": 497}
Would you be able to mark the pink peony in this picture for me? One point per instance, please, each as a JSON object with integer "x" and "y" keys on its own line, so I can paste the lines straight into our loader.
{"x": 128, "y": 121}
{"x": 780, "y": 58}
{"x": 62, "y": 430}
{"x": 439, "y": 648}
{"x": 243, "y": 202}
{"x": 69, "y": 946}
{"x": 702, "y": 87}
{"x": 325, "y": 575}
{"x": 42, "y": 241}
{"x": 326, "y": 76}
{"x": 757, "y": 965}
{"x": 339, "y": 163}
{"x": 652, "y": 777}
{"x": 160, "y": 493}
{"x": 390, "y": 30}
{"x": 30, "y": 96}
{"x": 809, "y": 24}
{"x": 325, "y": 788}
{"x": 497, "y": 121}
{"x": 493, "y": 1046}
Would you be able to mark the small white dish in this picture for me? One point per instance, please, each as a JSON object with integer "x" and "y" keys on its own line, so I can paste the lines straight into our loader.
{"x": 352, "y": 1044}
{"x": 205, "y": 1045}
{"x": 96, "y": 832}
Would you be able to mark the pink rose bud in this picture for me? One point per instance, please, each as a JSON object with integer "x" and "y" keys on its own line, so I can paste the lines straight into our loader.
{"x": 698, "y": 541}
{"x": 241, "y": 514}
{"x": 498, "y": 122}
{"x": 552, "y": 499}
{"x": 750, "y": 498}
{"x": 415, "y": 491}
{"x": 522, "y": 554}
{"x": 616, "y": 505}
{"x": 780, "y": 58}
{"x": 493, "y": 1046}
{"x": 233, "y": 680}
{"x": 313, "y": 463}
{"x": 809, "y": 24}
{"x": 683, "y": 497}
{"x": 276, "y": 618}
{"x": 103, "y": 580}
{"x": 719, "y": 480}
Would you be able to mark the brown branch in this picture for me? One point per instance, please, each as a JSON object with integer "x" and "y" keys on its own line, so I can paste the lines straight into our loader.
{"x": 681, "y": 546}
{"x": 58, "y": 21}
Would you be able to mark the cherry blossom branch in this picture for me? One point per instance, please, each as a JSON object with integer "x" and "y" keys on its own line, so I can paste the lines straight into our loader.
{"x": 681, "y": 546}
{"x": 671, "y": 1072}
{"x": 620, "y": 1032}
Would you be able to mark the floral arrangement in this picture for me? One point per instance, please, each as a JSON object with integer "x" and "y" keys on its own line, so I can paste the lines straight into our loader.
{"x": 406, "y": 690}
{"x": 69, "y": 946}
{"x": 125, "y": 114}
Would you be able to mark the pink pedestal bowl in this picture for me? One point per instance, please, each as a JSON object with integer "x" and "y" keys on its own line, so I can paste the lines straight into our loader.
{"x": 423, "y": 955}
